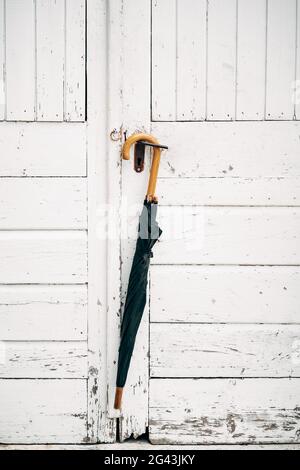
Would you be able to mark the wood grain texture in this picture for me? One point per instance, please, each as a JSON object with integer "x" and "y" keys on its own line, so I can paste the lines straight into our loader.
{"x": 43, "y": 411}
{"x": 20, "y": 60}
{"x": 136, "y": 115}
{"x": 194, "y": 350}
{"x": 238, "y": 149}
{"x": 191, "y": 60}
{"x": 221, "y": 60}
{"x": 43, "y": 360}
{"x": 75, "y": 61}
{"x": 251, "y": 60}
{"x": 215, "y": 411}
{"x": 43, "y": 313}
{"x": 2, "y": 61}
{"x": 216, "y": 294}
{"x": 227, "y": 191}
{"x": 50, "y": 59}
{"x": 43, "y": 257}
{"x": 281, "y": 53}
{"x": 42, "y": 203}
{"x": 231, "y": 235}
{"x": 42, "y": 149}
{"x": 164, "y": 60}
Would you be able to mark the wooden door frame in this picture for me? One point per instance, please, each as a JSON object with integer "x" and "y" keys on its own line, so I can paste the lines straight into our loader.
{"x": 118, "y": 97}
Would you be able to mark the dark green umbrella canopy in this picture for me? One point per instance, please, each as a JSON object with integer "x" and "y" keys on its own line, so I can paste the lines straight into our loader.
{"x": 149, "y": 232}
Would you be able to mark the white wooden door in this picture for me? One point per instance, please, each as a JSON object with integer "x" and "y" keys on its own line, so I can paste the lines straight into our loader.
{"x": 51, "y": 177}
{"x": 217, "y": 356}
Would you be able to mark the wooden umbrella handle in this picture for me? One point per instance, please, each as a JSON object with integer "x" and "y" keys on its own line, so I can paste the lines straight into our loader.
{"x": 150, "y": 196}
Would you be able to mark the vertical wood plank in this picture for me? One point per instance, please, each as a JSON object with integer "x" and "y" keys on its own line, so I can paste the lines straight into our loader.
{"x": 100, "y": 426}
{"x": 296, "y": 90}
{"x": 2, "y": 60}
{"x": 164, "y": 64}
{"x": 221, "y": 61}
{"x": 75, "y": 61}
{"x": 50, "y": 59}
{"x": 281, "y": 44}
{"x": 251, "y": 59}
{"x": 191, "y": 59}
{"x": 20, "y": 60}
{"x": 136, "y": 116}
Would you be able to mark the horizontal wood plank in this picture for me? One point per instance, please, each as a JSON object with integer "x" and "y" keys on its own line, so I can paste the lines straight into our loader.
{"x": 233, "y": 294}
{"x": 43, "y": 203}
{"x": 243, "y": 149}
{"x": 43, "y": 313}
{"x": 43, "y": 257}
{"x": 215, "y": 411}
{"x": 194, "y": 350}
{"x": 224, "y": 191}
{"x": 229, "y": 235}
{"x": 51, "y": 359}
{"x": 42, "y": 149}
{"x": 43, "y": 411}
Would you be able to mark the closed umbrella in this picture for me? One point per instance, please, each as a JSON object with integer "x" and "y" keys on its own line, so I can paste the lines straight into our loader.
{"x": 148, "y": 234}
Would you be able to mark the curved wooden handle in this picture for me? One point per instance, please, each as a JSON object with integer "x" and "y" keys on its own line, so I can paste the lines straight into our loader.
{"x": 150, "y": 196}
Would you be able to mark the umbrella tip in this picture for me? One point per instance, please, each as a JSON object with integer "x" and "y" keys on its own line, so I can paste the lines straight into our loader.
{"x": 118, "y": 398}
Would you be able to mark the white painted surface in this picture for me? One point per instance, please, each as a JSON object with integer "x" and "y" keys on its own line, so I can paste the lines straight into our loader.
{"x": 43, "y": 203}
{"x": 50, "y": 59}
{"x": 20, "y": 60}
{"x": 43, "y": 312}
{"x": 224, "y": 411}
{"x": 42, "y": 149}
{"x": 75, "y": 61}
{"x": 239, "y": 149}
{"x": 216, "y": 294}
{"x": 44, "y": 360}
{"x": 228, "y": 166}
{"x": 227, "y": 191}
{"x": 251, "y": 60}
{"x": 42, "y": 51}
{"x": 45, "y": 411}
{"x": 43, "y": 257}
{"x": 281, "y": 53}
{"x": 229, "y": 235}
{"x": 2, "y": 62}
{"x": 187, "y": 350}
{"x": 221, "y": 60}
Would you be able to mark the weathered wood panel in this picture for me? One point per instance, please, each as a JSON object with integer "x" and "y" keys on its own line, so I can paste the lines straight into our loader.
{"x": 75, "y": 61}
{"x": 2, "y": 61}
{"x": 224, "y": 411}
{"x": 136, "y": 92}
{"x": 281, "y": 53}
{"x": 221, "y": 60}
{"x": 41, "y": 149}
{"x": 43, "y": 411}
{"x": 100, "y": 427}
{"x": 239, "y": 149}
{"x": 164, "y": 78}
{"x": 229, "y": 235}
{"x": 251, "y": 60}
{"x": 226, "y": 191}
{"x": 20, "y": 60}
{"x": 194, "y": 350}
{"x": 233, "y": 294}
{"x": 51, "y": 359}
{"x": 42, "y": 203}
{"x": 43, "y": 313}
{"x": 50, "y": 46}
{"x": 191, "y": 60}
{"x": 43, "y": 257}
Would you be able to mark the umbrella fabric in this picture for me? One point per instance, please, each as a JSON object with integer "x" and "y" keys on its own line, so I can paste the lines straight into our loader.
{"x": 149, "y": 232}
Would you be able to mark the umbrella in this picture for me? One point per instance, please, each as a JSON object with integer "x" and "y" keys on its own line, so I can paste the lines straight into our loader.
{"x": 148, "y": 234}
